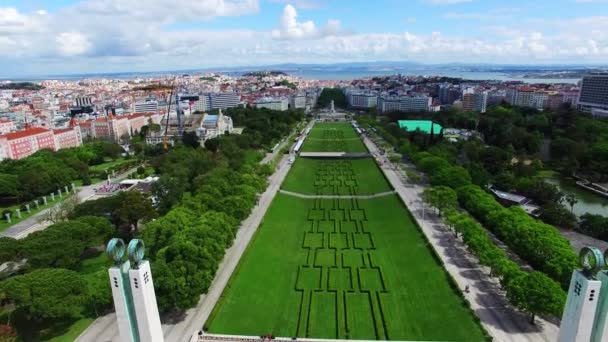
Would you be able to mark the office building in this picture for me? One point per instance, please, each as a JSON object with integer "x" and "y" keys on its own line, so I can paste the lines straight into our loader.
{"x": 415, "y": 103}
{"x": 298, "y": 101}
{"x": 224, "y": 100}
{"x": 593, "y": 96}
{"x": 202, "y": 105}
{"x": 272, "y": 103}
{"x": 83, "y": 101}
{"x": 387, "y": 104}
{"x": 363, "y": 100}
{"x": 145, "y": 107}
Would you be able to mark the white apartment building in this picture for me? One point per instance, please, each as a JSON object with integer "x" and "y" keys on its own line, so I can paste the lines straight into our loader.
{"x": 298, "y": 101}
{"x": 362, "y": 100}
{"x": 272, "y": 103}
{"x": 415, "y": 103}
{"x": 388, "y": 104}
{"x": 223, "y": 100}
{"x": 145, "y": 107}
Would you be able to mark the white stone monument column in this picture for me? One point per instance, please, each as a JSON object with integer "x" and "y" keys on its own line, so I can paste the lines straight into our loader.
{"x": 18, "y": 212}
{"x": 8, "y": 217}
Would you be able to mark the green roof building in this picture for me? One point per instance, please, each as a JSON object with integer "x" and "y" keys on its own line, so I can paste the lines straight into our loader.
{"x": 423, "y": 125}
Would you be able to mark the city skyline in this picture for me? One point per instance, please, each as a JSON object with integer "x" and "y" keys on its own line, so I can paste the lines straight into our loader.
{"x": 72, "y": 36}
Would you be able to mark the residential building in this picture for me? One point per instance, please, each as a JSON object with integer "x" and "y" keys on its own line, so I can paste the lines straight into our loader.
{"x": 203, "y": 104}
{"x": 272, "y": 103}
{"x": 24, "y": 143}
{"x": 555, "y": 100}
{"x": 539, "y": 100}
{"x": 68, "y": 137}
{"x": 473, "y": 101}
{"x": 298, "y": 101}
{"x": 593, "y": 96}
{"x": 6, "y": 126}
{"x": 362, "y": 100}
{"x": 415, "y": 103}
{"x": 145, "y": 107}
{"x": 388, "y": 104}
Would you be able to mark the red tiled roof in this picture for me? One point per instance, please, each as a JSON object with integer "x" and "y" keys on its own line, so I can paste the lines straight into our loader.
{"x": 25, "y": 133}
{"x": 62, "y": 130}
{"x": 136, "y": 115}
{"x": 85, "y": 124}
{"x": 5, "y": 121}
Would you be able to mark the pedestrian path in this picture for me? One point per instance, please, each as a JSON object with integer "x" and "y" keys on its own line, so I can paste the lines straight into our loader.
{"x": 297, "y": 194}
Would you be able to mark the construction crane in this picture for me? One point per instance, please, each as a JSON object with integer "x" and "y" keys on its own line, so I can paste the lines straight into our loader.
{"x": 165, "y": 142}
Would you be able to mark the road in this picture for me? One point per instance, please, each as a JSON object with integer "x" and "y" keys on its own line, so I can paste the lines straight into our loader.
{"x": 105, "y": 328}
{"x": 33, "y": 224}
{"x": 503, "y": 322}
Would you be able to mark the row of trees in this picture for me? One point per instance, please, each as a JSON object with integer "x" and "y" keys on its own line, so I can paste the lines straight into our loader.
{"x": 539, "y": 244}
{"x": 532, "y": 292}
{"x": 329, "y": 94}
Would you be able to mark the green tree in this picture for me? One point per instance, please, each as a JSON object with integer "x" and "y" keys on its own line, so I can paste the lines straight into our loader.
{"x": 441, "y": 197}
{"x": 48, "y": 295}
{"x": 212, "y": 144}
{"x": 536, "y": 294}
{"x": 191, "y": 139}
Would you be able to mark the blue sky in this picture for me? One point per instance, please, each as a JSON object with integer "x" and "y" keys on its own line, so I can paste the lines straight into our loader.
{"x": 61, "y": 36}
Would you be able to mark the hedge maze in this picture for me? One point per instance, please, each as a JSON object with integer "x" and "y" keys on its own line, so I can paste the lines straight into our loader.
{"x": 340, "y": 278}
{"x": 335, "y": 178}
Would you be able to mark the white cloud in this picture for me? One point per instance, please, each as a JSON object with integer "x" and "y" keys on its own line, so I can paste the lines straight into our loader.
{"x": 72, "y": 43}
{"x": 291, "y": 28}
{"x": 108, "y": 35}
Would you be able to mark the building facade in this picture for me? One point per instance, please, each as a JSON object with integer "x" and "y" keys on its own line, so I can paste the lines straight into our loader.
{"x": 272, "y": 103}
{"x": 6, "y": 126}
{"x": 24, "y": 143}
{"x": 67, "y": 137}
{"x": 145, "y": 107}
{"x": 224, "y": 100}
{"x": 593, "y": 96}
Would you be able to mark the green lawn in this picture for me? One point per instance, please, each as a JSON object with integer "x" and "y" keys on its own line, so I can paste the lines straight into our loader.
{"x": 24, "y": 214}
{"x": 107, "y": 165}
{"x": 335, "y": 177}
{"x": 356, "y": 269}
{"x": 341, "y": 268}
{"x": 73, "y": 331}
{"x": 333, "y": 137}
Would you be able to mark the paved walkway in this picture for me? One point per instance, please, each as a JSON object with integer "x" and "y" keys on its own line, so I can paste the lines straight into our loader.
{"x": 33, "y": 223}
{"x": 237, "y": 338}
{"x": 503, "y": 322}
{"x": 297, "y": 194}
{"x": 105, "y": 328}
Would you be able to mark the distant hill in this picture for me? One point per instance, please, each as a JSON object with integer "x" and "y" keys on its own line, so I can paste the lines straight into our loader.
{"x": 21, "y": 86}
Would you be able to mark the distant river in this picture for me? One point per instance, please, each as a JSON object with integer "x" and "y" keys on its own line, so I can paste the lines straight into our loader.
{"x": 347, "y": 74}
{"x": 588, "y": 202}
{"x": 326, "y": 73}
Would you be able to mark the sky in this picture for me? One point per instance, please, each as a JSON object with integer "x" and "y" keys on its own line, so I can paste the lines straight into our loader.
{"x": 49, "y": 37}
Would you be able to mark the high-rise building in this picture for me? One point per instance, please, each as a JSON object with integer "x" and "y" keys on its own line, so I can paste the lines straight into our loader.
{"x": 593, "y": 97}
{"x": 473, "y": 101}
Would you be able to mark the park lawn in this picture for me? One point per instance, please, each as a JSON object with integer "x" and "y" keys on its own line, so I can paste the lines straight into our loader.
{"x": 356, "y": 269}
{"x": 73, "y": 331}
{"x": 4, "y": 225}
{"x": 107, "y": 165}
{"x": 304, "y": 173}
{"x": 333, "y": 137}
